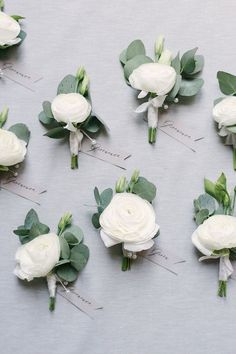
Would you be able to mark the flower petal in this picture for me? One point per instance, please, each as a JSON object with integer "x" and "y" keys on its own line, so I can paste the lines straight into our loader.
{"x": 142, "y": 108}
{"x": 138, "y": 247}
{"x": 108, "y": 241}
{"x": 199, "y": 246}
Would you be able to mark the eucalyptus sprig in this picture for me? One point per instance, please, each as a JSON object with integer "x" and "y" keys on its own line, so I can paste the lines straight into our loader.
{"x": 161, "y": 84}
{"x": 57, "y": 257}
{"x": 70, "y": 115}
{"x": 224, "y": 110}
{"x": 122, "y": 205}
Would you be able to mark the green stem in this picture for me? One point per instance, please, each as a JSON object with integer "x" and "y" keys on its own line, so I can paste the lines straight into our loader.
{"x": 52, "y": 302}
{"x": 234, "y": 158}
{"x": 152, "y": 132}
{"x": 222, "y": 288}
{"x": 74, "y": 162}
{"x": 126, "y": 263}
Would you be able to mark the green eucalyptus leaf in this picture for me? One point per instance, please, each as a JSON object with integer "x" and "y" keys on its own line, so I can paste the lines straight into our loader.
{"x": 21, "y": 232}
{"x": 79, "y": 256}
{"x": 106, "y": 197}
{"x": 67, "y": 273}
{"x": 70, "y": 239}
{"x": 76, "y": 231}
{"x": 21, "y": 131}
{"x": 31, "y": 218}
{"x": 134, "y": 63}
{"x": 135, "y": 48}
{"x": 217, "y": 100}
{"x": 176, "y": 64}
{"x": 67, "y": 85}
{"x": 38, "y": 229}
{"x": 47, "y": 109}
{"x": 65, "y": 249}
{"x": 97, "y": 196}
{"x": 123, "y": 58}
{"x": 62, "y": 261}
{"x": 145, "y": 189}
{"x": 188, "y": 61}
{"x": 231, "y": 129}
{"x": 92, "y": 124}
{"x": 190, "y": 87}
{"x": 205, "y": 201}
{"x": 227, "y": 83}
{"x": 57, "y": 133}
{"x": 95, "y": 220}
{"x": 22, "y": 36}
{"x": 201, "y": 216}
{"x": 199, "y": 64}
{"x": 173, "y": 93}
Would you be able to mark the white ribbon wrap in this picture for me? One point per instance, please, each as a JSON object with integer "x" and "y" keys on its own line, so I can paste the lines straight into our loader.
{"x": 75, "y": 141}
{"x": 52, "y": 281}
{"x": 151, "y": 106}
{"x": 225, "y": 266}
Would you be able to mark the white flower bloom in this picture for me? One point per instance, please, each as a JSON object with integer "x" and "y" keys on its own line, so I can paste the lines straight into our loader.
{"x": 12, "y": 149}
{"x": 224, "y": 112}
{"x": 70, "y": 108}
{"x": 216, "y": 233}
{"x": 128, "y": 219}
{"x": 38, "y": 257}
{"x": 9, "y": 30}
{"x": 153, "y": 77}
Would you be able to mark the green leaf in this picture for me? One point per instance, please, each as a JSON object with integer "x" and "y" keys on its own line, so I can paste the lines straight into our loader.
{"x": 123, "y": 58}
{"x": 217, "y": 100}
{"x": 201, "y": 216}
{"x": 106, "y": 197}
{"x": 222, "y": 180}
{"x": 176, "y": 64}
{"x": 70, "y": 239}
{"x": 92, "y": 124}
{"x": 95, "y": 220}
{"x": 190, "y": 87}
{"x": 227, "y": 83}
{"x": 38, "y": 229}
{"x": 62, "y": 261}
{"x": 65, "y": 249}
{"x": 47, "y": 109}
{"x": 79, "y": 256}
{"x": 4, "y": 168}
{"x": 21, "y": 232}
{"x": 17, "y": 17}
{"x": 31, "y": 218}
{"x": 205, "y": 201}
{"x": 21, "y": 131}
{"x": 199, "y": 64}
{"x": 67, "y": 85}
{"x": 57, "y": 133}
{"x": 145, "y": 189}
{"x": 173, "y": 93}
{"x": 135, "y": 48}
{"x": 188, "y": 61}
{"x": 47, "y": 120}
{"x": 22, "y": 36}
{"x": 76, "y": 231}
{"x": 67, "y": 273}
{"x": 97, "y": 195}
{"x": 134, "y": 63}
{"x": 209, "y": 187}
{"x": 232, "y": 129}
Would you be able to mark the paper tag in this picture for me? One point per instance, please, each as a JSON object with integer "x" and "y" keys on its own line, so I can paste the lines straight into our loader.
{"x": 104, "y": 153}
{"x": 22, "y": 189}
{"x": 178, "y": 132}
{"x": 163, "y": 258}
{"x": 18, "y": 74}
{"x": 79, "y": 300}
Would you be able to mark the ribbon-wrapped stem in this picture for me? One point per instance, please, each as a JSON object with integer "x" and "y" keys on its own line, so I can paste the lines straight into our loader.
{"x": 52, "y": 281}
{"x": 152, "y": 116}
{"x": 75, "y": 145}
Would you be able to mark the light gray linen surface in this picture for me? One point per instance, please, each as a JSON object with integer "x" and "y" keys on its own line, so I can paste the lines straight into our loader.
{"x": 147, "y": 310}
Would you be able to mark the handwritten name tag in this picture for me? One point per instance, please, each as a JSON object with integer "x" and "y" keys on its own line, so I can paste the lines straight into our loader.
{"x": 105, "y": 153}
{"x": 19, "y": 75}
{"x": 163, "y": 258}
{"x": 178, "y": 132}
{"x": 79, "y": 300}
{"x": 19, "y": 187}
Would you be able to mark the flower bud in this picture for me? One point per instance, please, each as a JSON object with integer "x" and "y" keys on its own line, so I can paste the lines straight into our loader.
{"x": 121, "y": 185}
{"x": 80, "y": 73}
{"x": 166, "y": 57}
{"x": 64, "y": 221}
{"x": 3, "y": 116}
{"x": 159, "y": 45}
{"x": 84, "y": 85}
{"x": 135, "y": 176}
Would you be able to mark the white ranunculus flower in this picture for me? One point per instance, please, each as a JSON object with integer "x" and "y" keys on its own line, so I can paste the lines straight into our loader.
{"x": 12, "y": 149}
{"x": 9, "y": 30}
{"x": 224, "y": 112}
{"x": 70, "y": 108}
{"x": 38, "y": 257}
{"x": 216, "y": 233}
{"x": 153, "y": 77}
{"x": 128, "y": 219}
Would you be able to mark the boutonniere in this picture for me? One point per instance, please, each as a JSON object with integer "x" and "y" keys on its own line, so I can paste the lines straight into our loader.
{"x": 57, "y": 256}
{"x": 13, "y": 144}
{"x": 10, "y": 29}
{"x": 161, "y": 81}
{"x": 224, "y": 111}
{"x": 70, "y": 114}
{"x": 127, "y": 216}
{"x": 215, "y": 236}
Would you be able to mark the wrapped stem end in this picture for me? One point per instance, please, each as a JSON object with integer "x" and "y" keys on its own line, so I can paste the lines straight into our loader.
{"x": 152, "y": 132}
{"x": 126, "y": 263}
{"x": 74, "y": 162}
{"x": 222, "y": 288}
{"x": 234, "y": 158}
{"x": 52, "y": 303}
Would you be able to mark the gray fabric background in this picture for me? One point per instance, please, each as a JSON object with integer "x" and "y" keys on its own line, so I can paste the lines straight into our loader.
{"x": 147, "y": 310}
